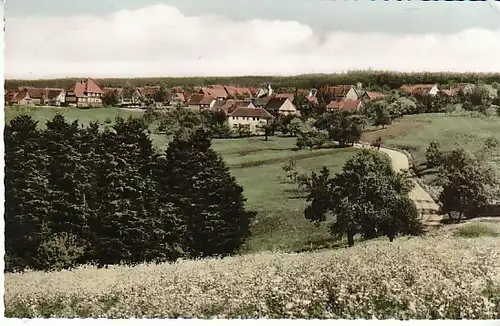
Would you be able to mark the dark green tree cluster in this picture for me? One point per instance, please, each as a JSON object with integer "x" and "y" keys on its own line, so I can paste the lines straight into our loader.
{"x": 343, "y": 127}
{"x": 467, "y": 184}
{"x": 86, "y": 194}
{"x": 367, "y": 198}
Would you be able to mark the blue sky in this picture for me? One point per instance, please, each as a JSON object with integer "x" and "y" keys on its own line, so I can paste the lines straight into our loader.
{"x": 57, "y": 38}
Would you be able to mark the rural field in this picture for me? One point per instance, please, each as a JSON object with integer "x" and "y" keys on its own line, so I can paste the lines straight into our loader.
{"x": 447, "y": 277}
{"x": 465, "y": 130}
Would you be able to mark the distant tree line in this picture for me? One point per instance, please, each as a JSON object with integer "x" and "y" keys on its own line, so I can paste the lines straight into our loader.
{"x": 100, "y": 194}
{"x": 368, "y": 78}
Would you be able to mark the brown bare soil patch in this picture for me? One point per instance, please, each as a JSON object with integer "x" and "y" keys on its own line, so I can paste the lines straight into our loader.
{"x": 394, "y": 130}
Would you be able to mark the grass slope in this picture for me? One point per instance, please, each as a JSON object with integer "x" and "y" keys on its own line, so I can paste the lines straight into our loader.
{"x": 451, "y": 131}
{"x": 416, "y": 278}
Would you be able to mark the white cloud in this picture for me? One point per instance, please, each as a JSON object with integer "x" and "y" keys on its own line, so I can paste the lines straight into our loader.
{"x": 161, "y": 41}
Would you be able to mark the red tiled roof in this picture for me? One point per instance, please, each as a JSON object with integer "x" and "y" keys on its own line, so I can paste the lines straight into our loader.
{"x": 148, "y": 90}
{"x": 448, "y": 92}
{"x": 339, "y": 90}
{"x": 231, "y": 90}
{"x": 36, "y": 93}
{"x": 19, "y": 96}
{"x": 349, "y": 105}
{"x": 10, "y": 95}
{"x": 289, "y": 96}
{"x": 181, "y": 97}
{"x": 231, "y": 105}
{"x": 375, "y": 95}
{"x": 218, "y": 92}
{"x": 312, "y": 99}
{"x": 200, "y": 99}
{"x": 85, "y": 86}
{"x": 250, "y": 112}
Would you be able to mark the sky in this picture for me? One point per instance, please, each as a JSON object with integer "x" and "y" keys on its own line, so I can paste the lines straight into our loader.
{"x": 150, "y": 38}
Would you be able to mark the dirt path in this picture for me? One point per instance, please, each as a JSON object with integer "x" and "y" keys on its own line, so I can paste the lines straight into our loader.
{"x": 424, "y": 202}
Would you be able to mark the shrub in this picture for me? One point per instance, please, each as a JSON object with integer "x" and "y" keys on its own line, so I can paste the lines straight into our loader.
{"x": 476, "y": 230}
{"x": 59, "y": 251}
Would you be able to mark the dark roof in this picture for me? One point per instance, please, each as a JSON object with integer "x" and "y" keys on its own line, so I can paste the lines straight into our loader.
{"x": 339, "y": 90}
{"x": 54, "y": 93}
{"x": 275, "y": 103}
{"x": 198, "y": 99}
{"x": 262, "y": 101}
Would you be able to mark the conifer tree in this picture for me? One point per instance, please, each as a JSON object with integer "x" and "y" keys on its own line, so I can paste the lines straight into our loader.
{"x": 199, "y": 185}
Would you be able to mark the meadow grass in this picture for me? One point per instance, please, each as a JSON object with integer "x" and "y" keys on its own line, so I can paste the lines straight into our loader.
{"x": 410, "y": 278}
{"x": 465, "y": 130}
{"x": 84, "y": 116}
{"x": 477, "y": 230}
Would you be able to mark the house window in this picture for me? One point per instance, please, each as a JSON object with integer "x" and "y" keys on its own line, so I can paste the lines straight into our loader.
{"x": 235, "y": 125}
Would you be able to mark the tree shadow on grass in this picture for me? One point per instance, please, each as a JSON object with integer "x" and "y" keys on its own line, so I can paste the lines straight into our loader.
{"x": 295, "y": 193}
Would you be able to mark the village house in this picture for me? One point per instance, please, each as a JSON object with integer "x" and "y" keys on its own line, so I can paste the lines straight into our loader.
{"x": 56, "y": 96}
{"x": 85, "y": 93}
{"x": 372, "y": 96}
{"x": 230, "y": 105}
{"x": 261, "y": 102}
{"x": 237, "y": 91}
{"x": 290, "y": 96}
{"x": 465, "y": 88}
{"x": 249, "y": 119}
{"x": 148, "y": 91}
{"x": 201, "y": 102}
{"x": 420, "y": 89}
{"x": 217, "y": 92}
{"x": 261, "y": 92}
{"x": 342, "y": 92}
{"x": 27, "y": 96}
{"x": 177, "y": 99}
{"x": 281, "y": 106}
{"x": 18, "y": 97}
{"x": 345, "y": 105}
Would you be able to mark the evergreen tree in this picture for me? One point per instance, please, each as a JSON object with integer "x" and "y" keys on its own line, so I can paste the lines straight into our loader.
{"x": 26, "y": 186}
{"x": 200, "y": 186}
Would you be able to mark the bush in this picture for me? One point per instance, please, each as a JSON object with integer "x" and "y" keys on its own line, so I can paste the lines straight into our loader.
{"x": 476, "y": 230}
{"x": 60, "y": 251}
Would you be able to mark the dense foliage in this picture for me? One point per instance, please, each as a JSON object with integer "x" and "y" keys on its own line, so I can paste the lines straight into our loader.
{"x": 466, "y": 183}
{"x": 367, "y": 198}
{"x": 79, "y": 194}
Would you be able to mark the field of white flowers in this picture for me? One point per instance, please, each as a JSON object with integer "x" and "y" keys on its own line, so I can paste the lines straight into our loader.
{"x": 418, "y": 278}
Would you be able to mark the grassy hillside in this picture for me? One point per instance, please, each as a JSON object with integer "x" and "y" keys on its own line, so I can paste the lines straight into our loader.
{"x": 450, "y": 130}
{"x": 418, "y": 278}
